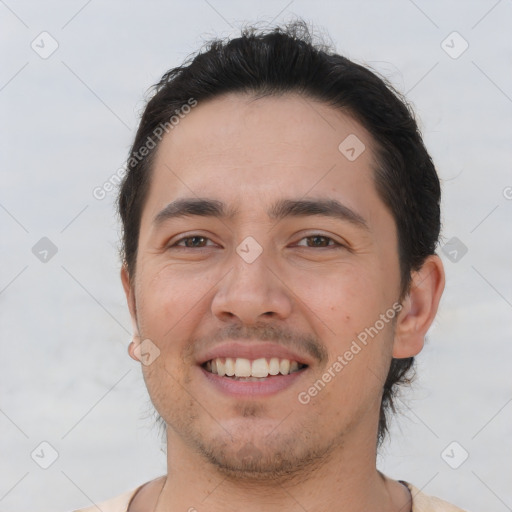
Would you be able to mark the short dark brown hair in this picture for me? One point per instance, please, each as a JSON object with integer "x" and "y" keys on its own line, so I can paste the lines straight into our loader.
{"x": 285, "y": 59}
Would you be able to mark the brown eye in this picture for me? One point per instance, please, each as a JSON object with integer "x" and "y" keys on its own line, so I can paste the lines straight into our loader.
{"x": 191, "y": 242}
{"x": 319, "y": 241}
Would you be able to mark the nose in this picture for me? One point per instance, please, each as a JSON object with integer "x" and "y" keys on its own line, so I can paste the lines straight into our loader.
{"x": 252, "y": 291}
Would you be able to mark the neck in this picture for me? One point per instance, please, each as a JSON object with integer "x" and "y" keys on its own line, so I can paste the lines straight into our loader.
{"x": 345, "y": 478}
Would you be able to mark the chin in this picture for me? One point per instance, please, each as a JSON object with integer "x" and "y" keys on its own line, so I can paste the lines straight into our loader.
{"x": 259, "y": 458}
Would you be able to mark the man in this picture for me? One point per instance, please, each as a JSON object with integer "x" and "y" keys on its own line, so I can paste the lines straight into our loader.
{"x": 280, "y": 217}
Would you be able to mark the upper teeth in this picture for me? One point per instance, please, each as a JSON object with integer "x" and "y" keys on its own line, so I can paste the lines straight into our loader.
{"x": 241, "y": 367}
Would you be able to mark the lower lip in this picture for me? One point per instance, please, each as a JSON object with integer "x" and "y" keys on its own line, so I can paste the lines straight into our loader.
{"x": 245, "y": 389}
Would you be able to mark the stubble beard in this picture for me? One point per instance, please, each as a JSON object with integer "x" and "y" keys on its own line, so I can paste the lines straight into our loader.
{"x": 245, "y": 454}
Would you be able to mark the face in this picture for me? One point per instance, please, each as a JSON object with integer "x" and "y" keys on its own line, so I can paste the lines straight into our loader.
{"x": 302, "y": 262}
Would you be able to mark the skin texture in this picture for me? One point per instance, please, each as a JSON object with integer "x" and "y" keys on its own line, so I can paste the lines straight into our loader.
{"x": 307, "y": 293}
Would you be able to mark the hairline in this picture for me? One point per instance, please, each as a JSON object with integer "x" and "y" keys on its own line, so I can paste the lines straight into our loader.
{"x": 377, "y": 161}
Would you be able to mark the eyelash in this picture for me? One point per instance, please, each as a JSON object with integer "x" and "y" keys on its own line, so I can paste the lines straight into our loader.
{"x": 314, "y": 235}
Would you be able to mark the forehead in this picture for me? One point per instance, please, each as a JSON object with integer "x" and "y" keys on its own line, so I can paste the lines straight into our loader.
{"x": 251, "y": 151}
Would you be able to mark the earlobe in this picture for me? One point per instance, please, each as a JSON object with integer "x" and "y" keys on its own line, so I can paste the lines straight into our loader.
{"x": 419, "y": 308}
{"x": 132, "y": 347}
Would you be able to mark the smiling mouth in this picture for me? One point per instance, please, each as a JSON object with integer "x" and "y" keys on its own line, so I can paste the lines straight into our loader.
{"x": 239, "y": 368}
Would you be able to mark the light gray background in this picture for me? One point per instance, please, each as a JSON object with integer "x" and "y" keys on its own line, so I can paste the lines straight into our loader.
{"x": 67, "y": 123}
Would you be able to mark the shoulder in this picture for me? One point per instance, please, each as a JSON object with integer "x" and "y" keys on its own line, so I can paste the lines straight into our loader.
{"x": 118, "y": 504}
{"x": 424, "y": 503}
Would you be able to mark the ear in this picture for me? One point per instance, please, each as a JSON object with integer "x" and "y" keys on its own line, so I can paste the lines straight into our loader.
{"x": 130, "y": 298}
{"x": 419, "y": 308}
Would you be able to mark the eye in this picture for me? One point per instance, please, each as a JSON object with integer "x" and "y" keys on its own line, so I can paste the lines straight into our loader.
{"x": 319, "y": 240}
{"x": 316, "y": 240}
{"x": 191, "y": 242}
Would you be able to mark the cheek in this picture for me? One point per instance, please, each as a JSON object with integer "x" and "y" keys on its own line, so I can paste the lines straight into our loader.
{"x": 166, "y": 298}
{"x": 348, "y": 306}
{"x": 345, "y": 298}
{"x": 165, "y": 388}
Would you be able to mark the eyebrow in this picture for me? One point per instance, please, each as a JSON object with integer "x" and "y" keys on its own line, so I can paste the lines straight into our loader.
{"x": 283, "y": 208}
